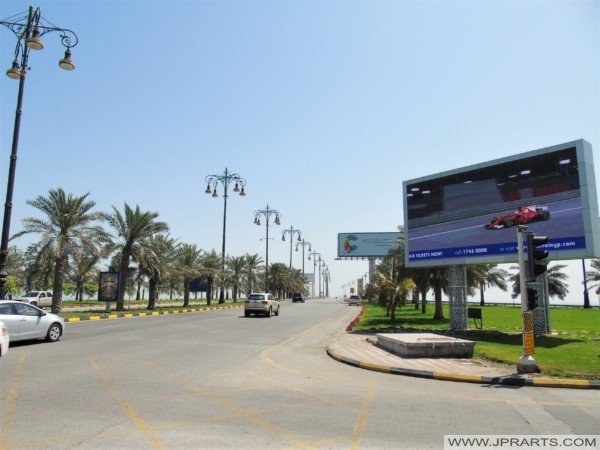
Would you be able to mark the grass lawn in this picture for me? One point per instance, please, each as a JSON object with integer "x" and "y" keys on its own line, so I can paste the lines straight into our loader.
{"x": 571, "y": 350}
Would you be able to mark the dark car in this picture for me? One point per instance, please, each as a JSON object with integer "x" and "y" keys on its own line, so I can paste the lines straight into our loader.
{"x": 523, "y": 215}
{"x": 298, "y": 297}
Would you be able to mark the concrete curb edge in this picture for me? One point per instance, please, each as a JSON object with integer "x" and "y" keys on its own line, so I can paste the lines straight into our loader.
{"x": 510, "y": 380}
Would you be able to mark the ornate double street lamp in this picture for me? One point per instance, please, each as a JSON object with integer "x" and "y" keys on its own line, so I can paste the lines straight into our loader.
{"x": 29, "y": 29}
{"x": 303, "y": 243}
{"x": 322, "y": 266}
{"x": 225, "y": 179}
{"x": 291, "y": 232}
{"x": 267, "y": 213}
{"x": 314, "y": 258}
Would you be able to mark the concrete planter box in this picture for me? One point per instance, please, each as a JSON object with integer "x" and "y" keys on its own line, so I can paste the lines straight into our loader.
{"x": 425, "y": 345}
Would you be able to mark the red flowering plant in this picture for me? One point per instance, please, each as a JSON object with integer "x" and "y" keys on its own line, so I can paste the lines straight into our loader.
{"x": 356, "y": 319}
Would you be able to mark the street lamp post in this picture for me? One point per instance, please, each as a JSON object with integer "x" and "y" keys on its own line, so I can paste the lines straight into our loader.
{"x": 226, "y": 178}
{"x": 321, "y": 265}
{"x": 267, "y": 213}
{"x": 314, "y": 258}
{"x": 291, "y": 232}
{"x": 29, "y": 32}
{"x": 326, "y": 278}
{"x": 303, "y": 243}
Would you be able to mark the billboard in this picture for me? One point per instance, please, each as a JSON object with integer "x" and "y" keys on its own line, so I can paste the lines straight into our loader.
{"x": 363, "y": 245}
{"x": 470, "y": 215}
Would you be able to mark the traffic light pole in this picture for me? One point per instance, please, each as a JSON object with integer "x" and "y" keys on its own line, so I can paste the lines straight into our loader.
{"x": 526, "y": 363}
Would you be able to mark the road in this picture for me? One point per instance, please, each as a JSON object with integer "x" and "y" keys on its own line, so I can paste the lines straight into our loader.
{"x": 216, "y": 380}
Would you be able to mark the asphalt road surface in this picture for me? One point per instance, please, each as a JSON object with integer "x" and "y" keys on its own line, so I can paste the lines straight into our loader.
{"x": 216, "y": 380}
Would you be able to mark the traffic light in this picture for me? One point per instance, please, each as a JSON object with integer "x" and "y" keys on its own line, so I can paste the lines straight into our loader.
{"x": 534, "y": 256}
{"x": 531, "y": 299}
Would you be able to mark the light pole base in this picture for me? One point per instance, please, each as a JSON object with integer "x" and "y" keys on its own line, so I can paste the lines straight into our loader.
{"x": 527, "y": 364}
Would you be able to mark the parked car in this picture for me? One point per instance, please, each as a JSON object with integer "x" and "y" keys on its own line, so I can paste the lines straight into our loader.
{"x": 354, "y": 300}
{"x": 25, "y": 321}
{"x": 37, "y": 298}
{"x": 261, "y": 303}
{"x": 4, "y": 339}
{"x": 298, "y": 297}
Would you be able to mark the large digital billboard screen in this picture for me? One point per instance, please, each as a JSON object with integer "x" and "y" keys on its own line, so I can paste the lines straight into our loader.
{"x": 364, "y": 245}
{"x": 470, "y": 215}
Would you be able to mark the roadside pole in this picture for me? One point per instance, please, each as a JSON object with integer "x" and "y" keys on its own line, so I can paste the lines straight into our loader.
{"x": 526, "y": 362}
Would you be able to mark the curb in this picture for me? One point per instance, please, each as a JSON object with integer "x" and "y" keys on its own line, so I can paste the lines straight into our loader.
{"x": 123, "y": 314}
{"x": 510, "y": 380}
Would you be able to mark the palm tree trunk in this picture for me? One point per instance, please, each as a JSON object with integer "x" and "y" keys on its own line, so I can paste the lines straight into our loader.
{"x": 152, "y": 293}
{"x": 481, "y": 295}
{"x": 439, "y": 312}
{"x": 124, "y": 270}
{"x": 186, "y": 292}
{"x": 209, "y": 292}
{"x": 57, "y": 288}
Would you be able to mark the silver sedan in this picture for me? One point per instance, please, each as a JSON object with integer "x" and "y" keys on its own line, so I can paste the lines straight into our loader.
{"x": 25, "y": 321}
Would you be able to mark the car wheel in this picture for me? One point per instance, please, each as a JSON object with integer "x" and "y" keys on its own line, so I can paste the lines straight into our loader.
{"x": 246, "y": 313}
{"x": 277, "y": 312}
{"x": 269, "y": 312}
{"x": 509, "y": 223}
{"x": 546, "y": 215}
{"x": 33, "y": 303}
{"x": 54, "y": 333}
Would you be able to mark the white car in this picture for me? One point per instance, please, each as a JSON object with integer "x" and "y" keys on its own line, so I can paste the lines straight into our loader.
{"x": 25, "y": 321}
{"x": 37, "y": 298}
{"x": 261, "y": 303}
{"x": 354, "y": 300}
{"x": 4, "y": 339}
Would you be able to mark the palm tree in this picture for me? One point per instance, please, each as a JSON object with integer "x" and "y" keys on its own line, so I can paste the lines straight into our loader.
{"x": 156, "y": 258}
{"x": 390, "y": 292}
{"x": 279, "y": 279}
{"x": 84, "y": 267}
{"x": 253, "y": 264}
{"x": 188, "y": 263}
{"x": 39, "y": 266}
{"x": 15, "y": 266}
{"x": 237, "y": 270}
{"x": 298, "y": 281}
{"x": 210, "y": 270}
{"x": 594, "y": 275}
{"x": 557, "y": 286}
{"x": 481, "y": 276}
{"x": 422, "y": 278}
{"x": 439, "y": 282}
{"x": 68, "y": 224}
{"x": 132, "y": 227}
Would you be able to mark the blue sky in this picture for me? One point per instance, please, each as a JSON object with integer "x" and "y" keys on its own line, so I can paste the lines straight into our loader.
{"x": 324, "y": 107}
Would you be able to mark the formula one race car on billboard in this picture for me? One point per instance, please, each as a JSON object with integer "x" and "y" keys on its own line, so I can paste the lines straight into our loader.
{"x": 523, "y": 215}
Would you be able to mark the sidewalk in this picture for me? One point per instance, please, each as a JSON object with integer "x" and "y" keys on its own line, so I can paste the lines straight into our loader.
{"x": 361, "y": 350}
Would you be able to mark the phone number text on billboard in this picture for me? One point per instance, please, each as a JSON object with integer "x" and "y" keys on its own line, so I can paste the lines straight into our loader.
{"x": 492, "y": 249}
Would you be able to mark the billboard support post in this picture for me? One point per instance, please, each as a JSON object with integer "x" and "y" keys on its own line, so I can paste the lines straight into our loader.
{"x": 457, "y": 287}
{"x": 526, "y": 363}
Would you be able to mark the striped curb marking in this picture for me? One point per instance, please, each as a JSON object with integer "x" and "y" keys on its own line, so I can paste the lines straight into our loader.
{"x": 507, "y": 380}
{"x": 122, "y": 315}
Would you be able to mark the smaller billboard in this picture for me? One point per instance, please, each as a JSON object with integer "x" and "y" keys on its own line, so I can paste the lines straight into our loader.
{"x": 109, "y": 286}
{"x": 363, "y": 245}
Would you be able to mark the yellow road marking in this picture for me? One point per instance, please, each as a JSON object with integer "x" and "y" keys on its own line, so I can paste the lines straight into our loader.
{"x": 361, "y": 423}
{"x": 129, "y": 410}
{"x": 11, "y": 405}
